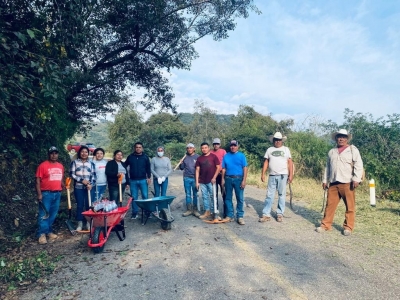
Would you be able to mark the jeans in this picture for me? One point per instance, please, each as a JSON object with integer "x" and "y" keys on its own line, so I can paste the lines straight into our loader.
{"x": 207, "y": 194}
{"x": 97, "y": 195}
{"x": 276, "y": 182}
{"x": 51, "y": 202}
{"x": 163, "y": 185}
{"x": 135, "y": 186}
{"x": 82, "y": 202}
{"x": 113, "y": 191}
{"x": 189, "y": 184}
{"x": 233, "y": 184}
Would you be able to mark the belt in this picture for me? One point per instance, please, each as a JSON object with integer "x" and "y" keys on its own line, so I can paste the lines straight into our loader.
{"x": 51, "y": 191}
{"x": 190, "y": 176}
{"x": 234, "y": 176}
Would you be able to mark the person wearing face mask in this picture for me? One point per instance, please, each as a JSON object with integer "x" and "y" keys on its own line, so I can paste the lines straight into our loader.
{"x": 160, "y": 166}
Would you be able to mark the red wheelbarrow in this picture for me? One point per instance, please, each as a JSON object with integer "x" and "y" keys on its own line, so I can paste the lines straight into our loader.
{"x": 102, "y": 223}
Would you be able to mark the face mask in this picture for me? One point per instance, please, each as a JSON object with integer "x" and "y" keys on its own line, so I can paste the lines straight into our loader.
{"x": 160, "y": 154}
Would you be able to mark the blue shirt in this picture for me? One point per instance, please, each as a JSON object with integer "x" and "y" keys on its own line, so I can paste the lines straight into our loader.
{"x": 234, "y": 163}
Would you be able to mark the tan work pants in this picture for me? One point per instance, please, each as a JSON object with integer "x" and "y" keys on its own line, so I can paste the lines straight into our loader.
{"x": 336, "y": 191}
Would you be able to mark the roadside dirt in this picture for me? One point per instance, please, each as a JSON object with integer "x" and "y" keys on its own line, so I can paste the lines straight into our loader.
{"x": 195, "y": 260}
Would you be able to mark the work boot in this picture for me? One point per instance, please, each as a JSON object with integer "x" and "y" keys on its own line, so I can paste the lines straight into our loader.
{"x": 189, "y": 211}
{"x": 42, "y": 239}
{"x": 206, "y": 215}
{"x": 196, "y": 213}
{"x": 79, "y": 227}
{"x": 52, "y": 236}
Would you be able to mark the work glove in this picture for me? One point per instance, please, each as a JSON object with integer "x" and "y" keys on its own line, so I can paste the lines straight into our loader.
{"x": 159, "y": 179}
{"x": 162, "y": 179}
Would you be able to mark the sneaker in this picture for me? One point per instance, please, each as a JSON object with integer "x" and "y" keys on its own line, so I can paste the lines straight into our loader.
{"x": 264, "y": 219}
{"x": 321, "y": 229}
{"x": 52, "y": 236}
{"x": 279, "y": 218}
{"x": 241, "y": 221}
{"x": 42, "y": 239}
{"x": 206, "y": 215}
{"x": 79, "y": 228}
{"x": 346, "y": 232}
{"x": 134, "y": 217}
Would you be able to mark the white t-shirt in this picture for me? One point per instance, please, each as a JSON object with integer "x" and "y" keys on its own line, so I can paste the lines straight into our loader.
{"x": 278, "y": 160}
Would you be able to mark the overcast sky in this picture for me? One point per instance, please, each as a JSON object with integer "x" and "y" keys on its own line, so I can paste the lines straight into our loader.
{"x": 301, "y": 58}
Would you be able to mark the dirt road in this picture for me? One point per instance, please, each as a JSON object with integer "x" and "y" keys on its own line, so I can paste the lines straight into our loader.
{"x": 195, "y": 260}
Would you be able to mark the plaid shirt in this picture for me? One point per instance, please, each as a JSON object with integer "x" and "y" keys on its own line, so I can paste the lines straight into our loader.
{"x": 80, "y": 171}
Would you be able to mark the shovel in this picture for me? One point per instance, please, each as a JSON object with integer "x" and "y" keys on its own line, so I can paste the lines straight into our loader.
{"x": 69, "y": 222}
{"x": 217, "y": 219}
{"x": 324, "y": 200}
{"x": 120, "y": 177}
{"x": 46, "y": 213}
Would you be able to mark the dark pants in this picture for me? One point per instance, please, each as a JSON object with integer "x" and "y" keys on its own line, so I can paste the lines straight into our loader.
{"x": 113, "y": 191}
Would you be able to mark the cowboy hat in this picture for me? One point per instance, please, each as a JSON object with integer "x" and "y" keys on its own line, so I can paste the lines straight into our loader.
{"x": 343, "y": 132}
{"x": 278, "y": 136}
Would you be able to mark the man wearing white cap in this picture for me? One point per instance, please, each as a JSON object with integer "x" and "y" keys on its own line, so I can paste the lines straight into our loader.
{"x": 278, "y": 162}
{"x": 344, "y": 169}
{"x": 188, "y": 165}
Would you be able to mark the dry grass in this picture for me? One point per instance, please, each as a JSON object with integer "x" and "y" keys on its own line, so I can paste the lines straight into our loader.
{"x": 380, "y": 224}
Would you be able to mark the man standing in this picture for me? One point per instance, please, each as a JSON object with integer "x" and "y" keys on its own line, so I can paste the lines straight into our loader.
{"x": 207, "y": 170}
{"x": 344, "y": 168}
{"x": 139, "y": 175}
{"x": 49, "y": 177}
{"x": 234, "y": 175}
{"x": 220, "y": 153}
{"x": 278, "y": 162}
{"x": 187, "y": 164}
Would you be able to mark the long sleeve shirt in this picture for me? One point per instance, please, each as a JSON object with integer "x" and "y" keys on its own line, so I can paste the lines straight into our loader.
{"x": 160, "y": 167}
{"x": 343, "y": 167}
{"x": 80, "y": 171}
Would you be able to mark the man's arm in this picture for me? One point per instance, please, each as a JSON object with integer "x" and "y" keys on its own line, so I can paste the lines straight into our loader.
{"x": 291, "y": 170}
{"x": 39, "y": 192}
{"x": 217, "y": 170}
{"x": 196, "y": 176}
{"x": 243, "y": 184}
{"x": 264, "y": 169}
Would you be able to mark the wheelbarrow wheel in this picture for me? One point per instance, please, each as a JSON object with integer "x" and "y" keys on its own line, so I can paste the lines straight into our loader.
{"x": 166, "y": 215}
{"x": 98, "y": 237}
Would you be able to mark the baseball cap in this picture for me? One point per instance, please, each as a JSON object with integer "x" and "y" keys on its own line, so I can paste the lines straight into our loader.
{"x": 190, "y": 145}
{"x": 52, "y": 149}
{"x": 216, "y": 141}
{"x": 234, "y": 143}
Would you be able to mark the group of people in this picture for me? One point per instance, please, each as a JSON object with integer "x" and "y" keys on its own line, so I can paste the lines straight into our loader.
{"x": 212, "y": 171}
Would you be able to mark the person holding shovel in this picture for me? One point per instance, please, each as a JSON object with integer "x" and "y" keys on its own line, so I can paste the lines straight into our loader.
{"x": 83, "y": 171}
{"x": 187, "y": 164}
{"x": 114, "y": 169}
{"x": 49, "y": 175}
{"x": 160, "y": 166}
{"x": 207, "y": 170}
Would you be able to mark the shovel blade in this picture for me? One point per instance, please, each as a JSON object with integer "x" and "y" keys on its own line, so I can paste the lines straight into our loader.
{"x": 70, "y": 227}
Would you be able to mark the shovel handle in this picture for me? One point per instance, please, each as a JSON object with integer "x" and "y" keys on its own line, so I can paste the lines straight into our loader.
{"x": 120, "y": 177}
{"x": 69, "y": 198}
{"x": 90, "y": 199}
{"x": 68, "y": 183}
{"x": 180, "y": 162}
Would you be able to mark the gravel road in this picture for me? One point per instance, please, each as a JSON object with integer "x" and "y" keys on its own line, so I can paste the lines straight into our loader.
{"x": 196, "y": 260}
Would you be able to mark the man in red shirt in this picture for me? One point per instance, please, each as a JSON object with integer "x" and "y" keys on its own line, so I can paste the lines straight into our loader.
{"x": 207, "y": 170}
{"x": 220, "y": 153}
{"x": 49, "y": 177}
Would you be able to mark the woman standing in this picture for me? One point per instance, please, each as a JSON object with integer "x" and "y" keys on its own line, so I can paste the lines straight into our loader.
{"x": 160, "y": 168}
{"x": 101, "y": 180}
{"x": 114, "y": 169}
{"x": 83, "y": 172}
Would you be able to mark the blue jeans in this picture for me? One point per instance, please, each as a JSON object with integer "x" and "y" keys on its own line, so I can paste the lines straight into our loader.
{"x": 52, "y": 202}
{"x": 82, "y": 202}
{"x": 233, "y": 184}
{"x": 207, "y": 194}
{"x": 101, "y": 189}
{"x": 189, "y": 184}
{"x": 275, "y": 182}
{"x": 135, "y": 186}
{"x": 163, "y": 185}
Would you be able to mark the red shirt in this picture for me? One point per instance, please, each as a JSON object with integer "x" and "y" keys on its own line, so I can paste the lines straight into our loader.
{"x": 50, "y": 175}
{"x": 220, "y": 154}
{"x": 208, "y": 165}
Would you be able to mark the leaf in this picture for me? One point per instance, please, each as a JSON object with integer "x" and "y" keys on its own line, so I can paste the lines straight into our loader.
{"x": 2, "y": 264}
{"x": 31, "y": 33}
{"x": 21, "y": 36}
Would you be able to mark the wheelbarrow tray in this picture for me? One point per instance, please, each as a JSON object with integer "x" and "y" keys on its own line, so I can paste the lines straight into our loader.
{"x": 160, "y": 205}
{"x": 102, "y": 223}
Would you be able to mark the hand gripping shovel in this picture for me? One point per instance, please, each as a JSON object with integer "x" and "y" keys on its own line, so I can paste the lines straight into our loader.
{"x": 217, "y": 218}
{"x": 69, "y": 222}
{"x": 46, "y": 213}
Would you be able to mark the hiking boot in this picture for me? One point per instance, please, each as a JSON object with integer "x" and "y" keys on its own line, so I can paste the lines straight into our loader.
{"x": 264, "y": 219}
{"x": 189, "y": 211}
{"x": 206, "y": 215}
{"x": 79, "y": 227}
{"x": 279, "y": 218}
{"x": 42, "y": 239}
{"x": 196, "y": 213}
{"x": 227, "y": 219}
{"x": 321, "y": 229}
{"x": 241, "y": 221}
{"x": 52, "y": 236}
{"x": 346, "y": 232}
